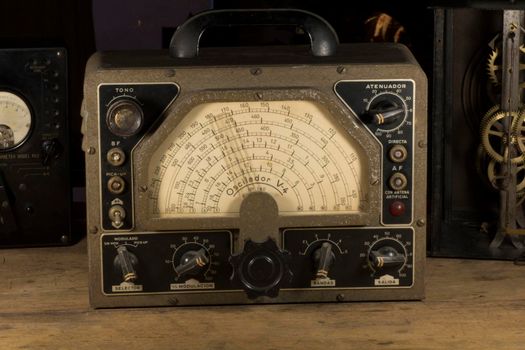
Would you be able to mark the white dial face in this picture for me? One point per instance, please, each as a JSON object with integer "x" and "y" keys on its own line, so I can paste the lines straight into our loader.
{"x": 222, "y": 151}
{"x": 15, "y": 120}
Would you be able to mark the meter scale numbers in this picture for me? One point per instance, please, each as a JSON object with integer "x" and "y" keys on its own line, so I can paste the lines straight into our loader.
{"x": 15, "y": 120}
{"x": 293, "y": 150}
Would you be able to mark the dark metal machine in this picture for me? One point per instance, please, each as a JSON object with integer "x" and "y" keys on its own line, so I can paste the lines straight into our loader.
{"x": 35, "y": 190}
{"x": 478, "y": 131}
{"x": 255, "y": 175}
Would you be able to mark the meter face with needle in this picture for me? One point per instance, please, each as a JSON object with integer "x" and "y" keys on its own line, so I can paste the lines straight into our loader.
{"x": 293, "y": 150}
{"x": 15, "y": 120}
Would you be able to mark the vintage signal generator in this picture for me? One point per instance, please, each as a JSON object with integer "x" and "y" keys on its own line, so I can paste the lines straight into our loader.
{"x": 255, "y": 175}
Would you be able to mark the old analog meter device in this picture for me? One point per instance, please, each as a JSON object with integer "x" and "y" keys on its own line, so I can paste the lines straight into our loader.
{"x": 35, "y": 189}
{"x": 255, "y": 175}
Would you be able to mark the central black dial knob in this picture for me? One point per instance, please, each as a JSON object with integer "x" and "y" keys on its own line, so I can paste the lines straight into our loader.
{"x": 261, "y": 269}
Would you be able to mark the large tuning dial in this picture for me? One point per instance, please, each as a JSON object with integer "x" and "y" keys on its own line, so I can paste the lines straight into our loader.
{"x": 261, "y": 269}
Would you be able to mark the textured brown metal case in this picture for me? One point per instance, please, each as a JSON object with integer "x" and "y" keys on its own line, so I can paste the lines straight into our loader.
{"x": 221, "y": 74}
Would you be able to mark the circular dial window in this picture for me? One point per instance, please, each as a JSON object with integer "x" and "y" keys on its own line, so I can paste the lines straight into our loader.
{"x": 222, "y": 151}
{"x": 15, "y": 120}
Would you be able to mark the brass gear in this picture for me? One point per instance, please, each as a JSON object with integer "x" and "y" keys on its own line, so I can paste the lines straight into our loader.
{"x": 520, "y": 198}
{"x": 494, "y": 138}
{"x": 494, "y": 66}
{"x": 519, "y": 131}
{"x": 486, "y": 169}
{"x": 494, "y": 177}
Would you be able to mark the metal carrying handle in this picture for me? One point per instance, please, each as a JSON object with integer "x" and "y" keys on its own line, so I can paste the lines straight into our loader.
{"x": 185, "y": 41}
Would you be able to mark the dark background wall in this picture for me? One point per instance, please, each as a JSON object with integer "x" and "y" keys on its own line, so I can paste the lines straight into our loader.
{"x": 55, "y": 23}
{"x": 138, "y": 24}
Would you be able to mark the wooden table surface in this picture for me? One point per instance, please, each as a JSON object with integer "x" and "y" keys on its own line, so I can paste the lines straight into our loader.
{"x": 470, "y": 304}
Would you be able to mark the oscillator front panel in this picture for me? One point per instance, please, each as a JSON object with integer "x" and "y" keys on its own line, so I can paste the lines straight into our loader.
{"x": 309, "y": 159}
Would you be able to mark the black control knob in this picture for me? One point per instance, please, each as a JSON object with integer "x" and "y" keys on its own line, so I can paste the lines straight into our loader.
{"x": 51, "y": 150}
{"x": 324, "y": 258}
{"x": 262, "y": 269}
{"x": 192, "y": 262}
{"x": 386, "y": 110}
{"x": 125, "y": 117}
{"x": 386, "y": 257}
{"x": 125, "y": 263}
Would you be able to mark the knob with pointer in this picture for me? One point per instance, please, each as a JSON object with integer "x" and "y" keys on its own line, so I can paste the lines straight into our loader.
{"x": 386, "y": 111}
{"x": 192, "y": 262}
{"x": 324, "y": 258}
{"x": 386, "y": 257}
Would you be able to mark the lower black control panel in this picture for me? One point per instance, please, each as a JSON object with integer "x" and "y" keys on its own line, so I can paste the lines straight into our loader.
{"x": 163, "y": 262}
{"x": 350, "y": 258}
{"x": 182, "y": 262}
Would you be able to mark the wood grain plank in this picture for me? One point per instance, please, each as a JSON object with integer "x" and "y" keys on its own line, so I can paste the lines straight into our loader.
{"x": 470, "y": 304}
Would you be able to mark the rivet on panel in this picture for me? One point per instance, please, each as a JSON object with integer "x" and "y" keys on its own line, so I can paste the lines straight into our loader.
{"x": 256, "y": 71}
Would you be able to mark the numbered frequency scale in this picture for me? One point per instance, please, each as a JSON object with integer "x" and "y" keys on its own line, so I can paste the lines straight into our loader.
{"x": 241, "y": 176}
